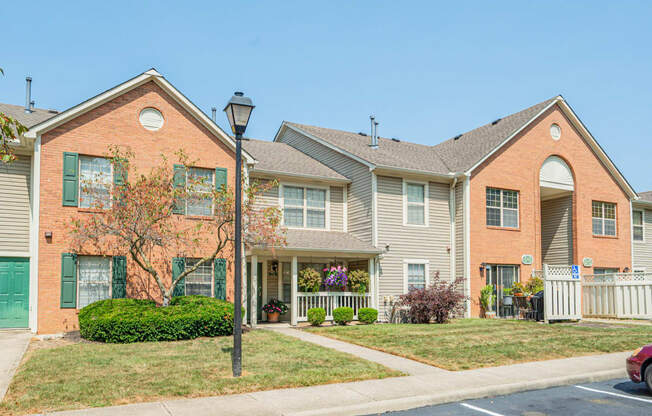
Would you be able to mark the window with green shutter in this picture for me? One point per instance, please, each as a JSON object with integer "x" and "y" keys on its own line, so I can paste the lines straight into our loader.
{"x": 220, "y": 178}
{"x": 70, "y": 179}
{"x": 219, "y": 274}
{"x": 119, "y": 278}
{"x": 68, "y": 280}
{"x": 178, "y": 267}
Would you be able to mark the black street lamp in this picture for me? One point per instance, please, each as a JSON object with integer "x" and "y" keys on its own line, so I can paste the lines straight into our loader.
{"x": 238, "y": 110}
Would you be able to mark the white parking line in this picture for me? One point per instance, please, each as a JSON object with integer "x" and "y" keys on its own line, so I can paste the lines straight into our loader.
{"x": 478, "y": 409}
{"x": 615, "y": 394}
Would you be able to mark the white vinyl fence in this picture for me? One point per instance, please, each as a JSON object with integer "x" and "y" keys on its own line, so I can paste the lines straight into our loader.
{"x": 618, "y": 295}
{"x": 330, "y": 301}
{"x": 562, "y": 294}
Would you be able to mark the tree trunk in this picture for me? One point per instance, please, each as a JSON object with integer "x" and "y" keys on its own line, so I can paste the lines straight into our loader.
{"x": 166, "y": 298}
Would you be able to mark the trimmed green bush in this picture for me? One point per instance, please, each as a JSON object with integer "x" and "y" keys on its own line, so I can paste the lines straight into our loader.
{"x": 135, "y": 320}
{"x": 367, "y": 315}
{"x": 316, "y": 316}
{"x": 343, "y": 315}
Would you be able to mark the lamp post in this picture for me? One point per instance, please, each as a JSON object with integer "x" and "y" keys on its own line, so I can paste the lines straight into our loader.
{"x": 238, "y": 110}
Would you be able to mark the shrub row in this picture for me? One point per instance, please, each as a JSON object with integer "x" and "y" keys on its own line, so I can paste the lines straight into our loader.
{"x": 342, "y": 316}
{"x": 136, "y": 320}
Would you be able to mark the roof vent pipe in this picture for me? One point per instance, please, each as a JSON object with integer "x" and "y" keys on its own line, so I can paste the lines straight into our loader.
{"x": 214, "y": 114}
{"x": 31, "y": 105}
{"x": 374, "y": 139}
{"x": 28, "y": 95}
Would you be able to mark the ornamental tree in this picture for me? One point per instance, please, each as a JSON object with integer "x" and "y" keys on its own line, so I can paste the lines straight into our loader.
{"x": 138, "y": 216}
{"x": 10, "y": 130}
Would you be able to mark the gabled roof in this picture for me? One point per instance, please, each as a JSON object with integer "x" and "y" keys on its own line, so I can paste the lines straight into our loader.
{"x": 645, "y": 196}
{"x": 281, "y": 158}
{"x": 17, "y": 112}
{"x": 147, "y": 76}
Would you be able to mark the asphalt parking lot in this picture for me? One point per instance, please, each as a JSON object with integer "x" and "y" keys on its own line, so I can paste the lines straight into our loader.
{"x": 606, "y": 398}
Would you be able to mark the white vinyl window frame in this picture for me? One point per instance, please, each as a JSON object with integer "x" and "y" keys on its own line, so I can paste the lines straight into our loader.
{"x": 641, "y": 226}
{"x": 406, "y": 263}
{"x": 80, "y": 184}
{"x": 425, "y": 204}
{"x": 212, "y": 186}
{"x": 327, "y": 209}
{"x": 211, "y": 269}
{"x": 603, "y": 218}
{"x": 79, "y": 271}
{"x": 502, "y": 209}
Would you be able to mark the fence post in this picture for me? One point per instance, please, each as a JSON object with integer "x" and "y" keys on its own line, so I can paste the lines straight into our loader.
{"x": 547, "y": 293}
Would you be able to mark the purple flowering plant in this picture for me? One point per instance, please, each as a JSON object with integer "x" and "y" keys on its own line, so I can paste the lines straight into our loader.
{"x": 275, "y": 305}
{"x": 336, "y": 277}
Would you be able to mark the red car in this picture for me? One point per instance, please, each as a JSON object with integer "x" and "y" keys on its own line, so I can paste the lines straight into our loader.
{"x": 639, "y": 366}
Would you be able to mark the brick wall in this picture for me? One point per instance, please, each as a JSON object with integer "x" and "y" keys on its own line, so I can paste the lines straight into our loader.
{"x": 115, "y": 122}
{"x": 516, "y": 166}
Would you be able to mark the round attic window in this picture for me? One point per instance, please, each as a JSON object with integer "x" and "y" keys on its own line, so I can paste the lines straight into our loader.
{"x": 555, "y": 131}
{"x": 151, "y": 118}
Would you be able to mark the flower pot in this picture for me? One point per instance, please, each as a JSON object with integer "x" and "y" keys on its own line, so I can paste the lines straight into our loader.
{"x": 273, "y": 316}
{"x": 490, "y": 315}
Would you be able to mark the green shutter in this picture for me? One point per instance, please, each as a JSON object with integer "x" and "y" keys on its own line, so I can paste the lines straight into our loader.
{"x": 220, "y": 178}
{"x": 178, "y": 267}
{"x": 179, "y": 182}
{"x": 70, "y": 179}
{"x": 120, "y": 173}
{"x": 219, "y": 269}
{"x": 119, "y": 278}
{"x": 68, "y": 280}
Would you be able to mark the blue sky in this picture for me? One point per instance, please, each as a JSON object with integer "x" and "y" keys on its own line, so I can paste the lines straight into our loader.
{"x": 427, "y": 70}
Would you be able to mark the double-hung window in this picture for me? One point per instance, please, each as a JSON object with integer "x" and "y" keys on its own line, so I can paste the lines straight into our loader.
{"x": 95, "y": 179}
{"x": 637, "y": 226}
{"x": 415, "y": 208}
{"x": 199, "y": 185}
{"x": 416, "y": 274}
{"x": 304, "y": 207}
{"x": 502, "y": 208}
{"x": 200, "y": 281}
{"x": 604, "y": 218}
{"x": 94, "y": 281}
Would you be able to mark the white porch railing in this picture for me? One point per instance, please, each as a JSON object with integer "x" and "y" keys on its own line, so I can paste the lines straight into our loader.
{"x": 618, "y": 295}
{"x": 330, "y": 301}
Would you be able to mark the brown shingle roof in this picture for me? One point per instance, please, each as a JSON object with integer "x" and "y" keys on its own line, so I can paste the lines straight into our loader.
{"x": 283, "y": 158}
{"x": 27, "y": 119}
{"x": 646, "y": 196}
{"x": 326, "y": 241}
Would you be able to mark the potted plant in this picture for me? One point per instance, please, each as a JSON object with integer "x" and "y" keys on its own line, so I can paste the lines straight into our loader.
{"x": 518, "y": 289}
{"x": 487, "y": 299}
{"x": 274, "y": 308}
{"x": 309, "y": 280}
{"x": 508, "y": 300}
{"x": 336, "y": 277}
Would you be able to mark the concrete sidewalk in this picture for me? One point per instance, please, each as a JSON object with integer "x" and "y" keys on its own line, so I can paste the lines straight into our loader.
{"x": 13, "y": 345}
{"x": 399, "y": 393}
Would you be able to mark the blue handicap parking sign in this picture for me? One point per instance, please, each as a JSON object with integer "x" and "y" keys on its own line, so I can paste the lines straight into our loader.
{"x": 575, "y": 271}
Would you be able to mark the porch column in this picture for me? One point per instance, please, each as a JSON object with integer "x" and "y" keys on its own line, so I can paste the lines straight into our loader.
{"x": 293, "y": 300}
{"x": 246, "y": 314}
{"x": 254, "y": 291}
{"x": 372, "y": 283}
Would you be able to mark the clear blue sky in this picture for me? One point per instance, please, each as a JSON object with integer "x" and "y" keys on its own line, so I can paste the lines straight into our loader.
{"x": 428, "y": 70}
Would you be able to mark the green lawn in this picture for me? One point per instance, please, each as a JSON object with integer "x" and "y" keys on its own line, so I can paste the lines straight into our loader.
{"x": 473, "y": 343}
{"x": 91, "y": 374}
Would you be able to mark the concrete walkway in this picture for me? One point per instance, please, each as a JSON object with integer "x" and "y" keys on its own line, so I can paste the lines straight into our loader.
{"x": 377, "y": 396}
{"x": 405, "y": 365}
{"x": 13, "y": 345}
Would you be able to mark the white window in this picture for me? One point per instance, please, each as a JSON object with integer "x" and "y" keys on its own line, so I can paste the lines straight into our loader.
{"x": 95, "y": 179}
{"x": 305, "y": 207}
{"x": 637, "y": 226}
{"x": 604, "y": 218}
{"x": 199, "y": 282}
{"x": 502, "y": 208}
{"x": 415, "y": 274}
{"x": 94, "y": 279}
{"x": 199, "y": 184}
{"x": 604, "y": 270}
{"x": 415, "y": 203}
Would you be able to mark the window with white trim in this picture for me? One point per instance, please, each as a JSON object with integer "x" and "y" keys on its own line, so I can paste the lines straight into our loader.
{"x": 94, "y": 279}
{"x": 416, "y": 276}
{"x": 304, "y": 207}
{"x": 199, "y": 282}
{"x": 637, "y": 226}
{"x": 604, "y": 218}
{"x": 415, "y": 203}
{"x": 502, "y": 208}
{"x": 95, "y": 180}
{"x": 199, "y": 184}
{"x": 600, "y": 271}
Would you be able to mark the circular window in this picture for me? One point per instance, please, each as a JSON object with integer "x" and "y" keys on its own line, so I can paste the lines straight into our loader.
{"x": 555, "y": 132}
{"x": 151, "y": 118}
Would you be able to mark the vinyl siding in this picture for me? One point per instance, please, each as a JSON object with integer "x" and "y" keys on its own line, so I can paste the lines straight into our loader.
{"x": 459, "y": 229}
{"x": 409, "y": 242}
{"x": 272, "y": 284}
{"x": 359, "y": 192}
{"x": 15, "y": 205}
{"x": 337, "y": 214}
{"x": 557, "y": 231}
{"x": 643, "y": 249}
{"x": 269, "y": 198}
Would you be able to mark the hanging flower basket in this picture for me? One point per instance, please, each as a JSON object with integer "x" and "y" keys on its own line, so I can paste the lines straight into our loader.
{"x": 336, "y": 277}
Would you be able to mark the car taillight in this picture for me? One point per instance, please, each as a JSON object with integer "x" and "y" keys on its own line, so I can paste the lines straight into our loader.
{"x": 636, "y": 351}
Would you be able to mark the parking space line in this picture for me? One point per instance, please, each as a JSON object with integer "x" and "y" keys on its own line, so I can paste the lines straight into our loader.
{"x": 615, "y": 394}
{"x": 478, "y": 409}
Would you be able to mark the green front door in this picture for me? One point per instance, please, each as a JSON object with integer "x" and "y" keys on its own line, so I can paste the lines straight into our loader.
{"x": 259, "y": 290}
{"x": 14, "y": 292}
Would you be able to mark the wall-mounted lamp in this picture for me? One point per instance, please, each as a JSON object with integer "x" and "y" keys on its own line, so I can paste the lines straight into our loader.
{"x": 48, "y": 235}
{"x": 626, "y": 269}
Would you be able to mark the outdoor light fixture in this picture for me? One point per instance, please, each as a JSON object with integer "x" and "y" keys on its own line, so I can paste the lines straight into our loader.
{"x": 238, "y": 111}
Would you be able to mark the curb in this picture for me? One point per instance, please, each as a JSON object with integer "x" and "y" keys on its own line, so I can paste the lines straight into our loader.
{"x": 406, "y": 403}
